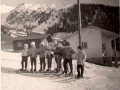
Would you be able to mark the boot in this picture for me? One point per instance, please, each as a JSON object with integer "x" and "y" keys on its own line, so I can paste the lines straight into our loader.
{"x": 43, "y": 70}
{"x": 63, "y": 72}
{"x": 70, "y": 73}
{"x": 31, "y": 69}
{"x": 21, "y": 69}
{"x": 35, "y": 70}
{"x": 77, "y": 76}
{"x": 81, "y": 76}
{"x": 47, "y": 70}
{"x": 40, "y": 70}
{"x": 26, "y": 70}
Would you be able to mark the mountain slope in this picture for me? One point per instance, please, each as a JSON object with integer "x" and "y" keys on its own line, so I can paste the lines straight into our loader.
{"x": 63, "y": 18}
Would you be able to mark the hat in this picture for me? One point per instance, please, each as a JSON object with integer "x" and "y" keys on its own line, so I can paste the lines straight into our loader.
{"x": 33, "y": 43}
{"x": 79, "y": 47}
{"x": 66, "y": 44}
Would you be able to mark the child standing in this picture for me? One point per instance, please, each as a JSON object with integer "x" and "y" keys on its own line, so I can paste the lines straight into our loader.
{"x": 41, "y": 52}
{"x": 33, "y": 54}
{"x": 49, "y": 57}
{"x": 25, "y": 55}
{"x": 58, "y": 57}
{"x": 81, "y": 58}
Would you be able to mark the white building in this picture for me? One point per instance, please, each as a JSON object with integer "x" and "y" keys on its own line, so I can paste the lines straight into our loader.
{"x": 95, "y": 41}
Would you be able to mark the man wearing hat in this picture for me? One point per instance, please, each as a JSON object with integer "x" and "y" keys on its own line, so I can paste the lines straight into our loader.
{"x": 67, "y": 55}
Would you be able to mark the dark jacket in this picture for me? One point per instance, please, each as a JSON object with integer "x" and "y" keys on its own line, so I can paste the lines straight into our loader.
{"x": 49, "y": 55}
{"x": 58, "y": 51}
{"x": 33, "y": 52}
{"x": 42, "y": 51}
{"x": 68, "y": 52}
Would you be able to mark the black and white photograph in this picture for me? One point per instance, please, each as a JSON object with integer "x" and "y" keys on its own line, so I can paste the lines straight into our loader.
{"x": 60, "y": 44}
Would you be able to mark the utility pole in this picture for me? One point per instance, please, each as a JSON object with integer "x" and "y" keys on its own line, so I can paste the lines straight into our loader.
{"x": 79, "y": 22}
{"x": 115, "y": 56}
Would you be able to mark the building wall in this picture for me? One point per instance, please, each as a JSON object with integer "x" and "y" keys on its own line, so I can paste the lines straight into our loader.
{"x": 108, "y": 46}
{"x": 93, "y": 39}
{"x": 74, "y": 42}
{"x": 15, "y": 43}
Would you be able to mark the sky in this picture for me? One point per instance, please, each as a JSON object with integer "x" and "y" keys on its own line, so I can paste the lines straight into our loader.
{"x": 14, "y": 3}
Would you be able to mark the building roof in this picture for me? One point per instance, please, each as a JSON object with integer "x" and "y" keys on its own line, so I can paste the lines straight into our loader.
{"x": 8, "y": 27}
{"x": 40, "y": 36}
{"x": 103, "y": 31}
{"x": 6, "y": 38}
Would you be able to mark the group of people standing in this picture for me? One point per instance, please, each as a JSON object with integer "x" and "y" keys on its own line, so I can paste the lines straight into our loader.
{"x": 59, "y": 52}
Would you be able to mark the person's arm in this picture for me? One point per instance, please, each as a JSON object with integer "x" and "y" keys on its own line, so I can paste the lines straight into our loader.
{"x": 76, "y": 56}
{"x": 29, "y": 52}
{"x": 21, "y": 53}
{"x": 36, "y": 51}
{"x": 72, "y": 51}
{"x": 84, "y": 58}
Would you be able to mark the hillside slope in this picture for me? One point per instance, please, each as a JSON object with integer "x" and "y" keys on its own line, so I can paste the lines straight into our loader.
{"x": 63, "y": 18}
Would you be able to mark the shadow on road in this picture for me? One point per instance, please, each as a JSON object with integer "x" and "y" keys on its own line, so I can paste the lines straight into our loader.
{"x": 51, "y": 76}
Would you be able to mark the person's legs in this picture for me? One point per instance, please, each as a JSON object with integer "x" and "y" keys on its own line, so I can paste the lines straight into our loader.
{"x": 31, "y": 64}
{"x": 63, "y": 70}
{"x": 26, "y": 60}
{"x": 43, "y": 63}
{"x": 50, "y": 62}
{"x": 34, "y": 64}
{"x": 40, "y": 64}
{"x": 65, "y": 66}
{"x": 59, "y": 63}
{"x": 82, "y": 70}
{"x": 56, "y": 60}
{"x": 78, "y": 70}
{"x": 22, "y": 63}
{"x": 70, "y": 64}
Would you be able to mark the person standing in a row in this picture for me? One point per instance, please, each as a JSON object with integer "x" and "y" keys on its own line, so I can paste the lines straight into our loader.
{"x": 49, "y": 56}
{"x": 42, "y": 51}
{"x": 33, "y": 55}
{"x": 58, "y": 57}
{"x": 81, "y": 58}
{"x": 25, "y": 54}
{"x": 67, "y": 54}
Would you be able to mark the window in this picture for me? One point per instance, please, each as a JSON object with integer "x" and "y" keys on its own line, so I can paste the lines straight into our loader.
{"x": 84, "y": 45}
{"x": 103, "y": 49}
{"x": 103, "y": 46}
{"x": 19, "y": 44}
